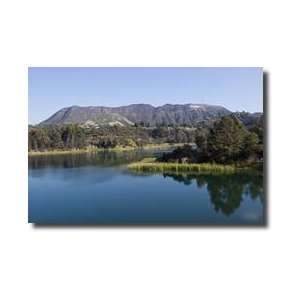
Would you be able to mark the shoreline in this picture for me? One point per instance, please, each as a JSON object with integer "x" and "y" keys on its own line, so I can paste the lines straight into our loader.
{"x": 95, "y": 150}
{"x": 199, "y": 168}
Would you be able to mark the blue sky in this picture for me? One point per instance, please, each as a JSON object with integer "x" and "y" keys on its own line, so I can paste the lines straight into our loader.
{"x": 51, "y": 89}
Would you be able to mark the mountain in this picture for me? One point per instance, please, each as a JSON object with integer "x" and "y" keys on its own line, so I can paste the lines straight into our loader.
{"x": 168, "y": 114}
{"x": 249, "y": 119}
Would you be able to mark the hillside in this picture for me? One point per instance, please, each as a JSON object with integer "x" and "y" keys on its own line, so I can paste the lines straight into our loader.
{"x": 187, "y": 114}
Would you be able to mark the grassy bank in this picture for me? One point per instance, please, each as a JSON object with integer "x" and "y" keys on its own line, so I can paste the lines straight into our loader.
{"x": 151, "y": 165}
{"x": 184, "y": 167}
{"x": 58, "y": 152}
{"x": 95, "y": 150}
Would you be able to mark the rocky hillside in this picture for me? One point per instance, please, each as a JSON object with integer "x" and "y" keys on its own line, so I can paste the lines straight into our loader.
{"x": 187, "y": 114}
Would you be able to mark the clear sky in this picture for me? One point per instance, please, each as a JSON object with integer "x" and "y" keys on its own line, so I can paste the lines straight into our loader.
{"x": 51, "y": 89}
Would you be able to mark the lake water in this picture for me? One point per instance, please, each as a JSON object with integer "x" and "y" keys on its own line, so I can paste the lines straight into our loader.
{"x": 98, "y": 189}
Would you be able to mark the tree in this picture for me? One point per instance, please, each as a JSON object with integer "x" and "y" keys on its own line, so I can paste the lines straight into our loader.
{"x": 56, "y": 141}
{"x": 73, "y": 136}
{"x": 250, "y": 147}
{"x": 38, "y": 139}
{"x": 186, "y": 153}
{"x": 180, "y": 136}
{"x": 201, "y": 142}
{"x": 225, "y": 140}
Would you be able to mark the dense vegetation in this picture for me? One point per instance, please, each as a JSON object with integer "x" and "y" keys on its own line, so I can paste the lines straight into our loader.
{"x": 227, "y": 141}
{"x": 68, "y": 137}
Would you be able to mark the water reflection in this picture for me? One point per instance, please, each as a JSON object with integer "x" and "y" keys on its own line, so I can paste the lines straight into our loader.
{"x": 226, "y": 192}
{"x": 97, "y": 188}
{"x": 103, "y": 158}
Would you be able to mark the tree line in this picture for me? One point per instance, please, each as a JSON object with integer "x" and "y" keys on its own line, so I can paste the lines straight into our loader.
{"x": 226, "y": 141}
{"x": 74, "y": 136}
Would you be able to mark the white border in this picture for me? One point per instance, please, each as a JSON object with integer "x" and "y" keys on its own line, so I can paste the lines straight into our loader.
{"x": 151, "y": 263}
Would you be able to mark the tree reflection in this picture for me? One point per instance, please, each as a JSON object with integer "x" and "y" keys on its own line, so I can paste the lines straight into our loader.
{"x": 226, "y": 192}
{"x": 186, "y": 179}
{"x": 103, "y": 159}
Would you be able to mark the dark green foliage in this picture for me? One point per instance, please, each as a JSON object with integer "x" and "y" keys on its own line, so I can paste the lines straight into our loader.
{"x": 201, "y": 143}
{"x": 55, "y": 137}
{"x": 79, "y": 137}
{"x": 250, "y": 147}
{"x": 182, "y": 155}
{"x": 38, "y": 139}
{"x": 160, "y": 132}
{"x": 227, "y": 141}
{"x": 106, "y": 142}
{"x": 73, "y": 137}
{"x": 258, "y": 129}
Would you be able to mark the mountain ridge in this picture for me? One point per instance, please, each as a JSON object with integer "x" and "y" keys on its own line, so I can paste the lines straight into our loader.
{"x": 189, "y": 114}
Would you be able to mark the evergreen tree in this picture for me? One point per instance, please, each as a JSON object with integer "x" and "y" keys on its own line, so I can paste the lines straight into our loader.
{"x": 250, "y": 147}
{"x": 226, "y": 139}
{"x": 56, "y": 141}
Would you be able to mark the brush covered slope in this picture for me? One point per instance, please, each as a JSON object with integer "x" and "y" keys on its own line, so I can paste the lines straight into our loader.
{"x": 182, "y": 115}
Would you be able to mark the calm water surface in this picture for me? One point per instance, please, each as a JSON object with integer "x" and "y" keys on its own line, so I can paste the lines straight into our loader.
{"x": 97, "y": 189}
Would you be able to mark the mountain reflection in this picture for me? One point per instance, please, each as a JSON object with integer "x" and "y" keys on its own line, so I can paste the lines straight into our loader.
{"x": 226, "y": 192}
